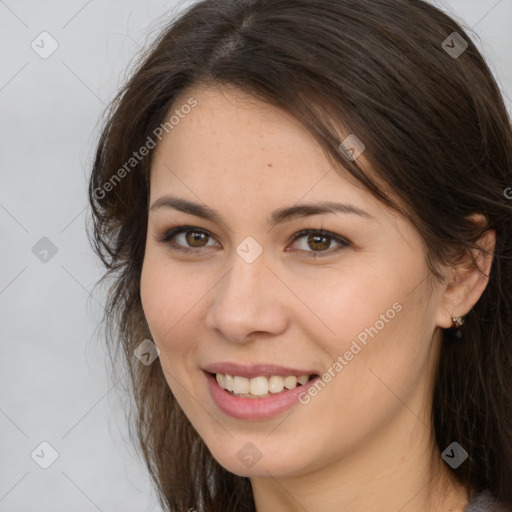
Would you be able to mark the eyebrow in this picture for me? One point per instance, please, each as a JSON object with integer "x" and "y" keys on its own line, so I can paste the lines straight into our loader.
{"x": 278, "y": 216}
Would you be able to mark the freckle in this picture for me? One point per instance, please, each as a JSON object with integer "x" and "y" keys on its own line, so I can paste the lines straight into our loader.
{"x": 269, "y": 165}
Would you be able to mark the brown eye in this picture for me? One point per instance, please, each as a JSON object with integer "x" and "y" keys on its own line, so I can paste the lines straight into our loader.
{"x": 196, "y": 238}
{"x": 188, "y": 238}
{"x": 314, "y": 242}
{"x": 319, "y": 242}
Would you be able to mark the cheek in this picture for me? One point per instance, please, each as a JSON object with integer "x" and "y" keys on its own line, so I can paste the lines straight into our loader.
{"x": 167, "y": 300}
{"x": 162, "y": 296}
{"x": 350, "y": 299}
{"x": 378, "y": 331}
{"x": 385, "y": 362}
{"x": 171, "y": 298}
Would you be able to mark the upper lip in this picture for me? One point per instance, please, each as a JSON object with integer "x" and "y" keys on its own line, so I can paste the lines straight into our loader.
{"x": 255, "y": 370}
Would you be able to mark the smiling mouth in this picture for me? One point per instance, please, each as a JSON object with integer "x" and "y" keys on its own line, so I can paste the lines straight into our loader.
{"x": 259, "y": 387}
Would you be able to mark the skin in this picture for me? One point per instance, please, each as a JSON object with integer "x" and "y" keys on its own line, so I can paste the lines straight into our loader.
{"x": 364, "y": 442}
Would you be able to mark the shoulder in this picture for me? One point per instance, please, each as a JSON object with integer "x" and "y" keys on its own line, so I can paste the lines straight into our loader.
{"x": 485, "y": 502}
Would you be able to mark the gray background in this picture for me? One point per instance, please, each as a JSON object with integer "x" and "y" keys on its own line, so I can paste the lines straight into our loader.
{"x": 54, "y": 379}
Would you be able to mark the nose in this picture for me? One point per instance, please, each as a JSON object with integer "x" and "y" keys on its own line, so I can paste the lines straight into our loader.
{"x": 249, "y": 300}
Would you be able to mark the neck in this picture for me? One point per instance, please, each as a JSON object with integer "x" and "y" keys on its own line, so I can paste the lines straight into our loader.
{"x": 395, "y": 471}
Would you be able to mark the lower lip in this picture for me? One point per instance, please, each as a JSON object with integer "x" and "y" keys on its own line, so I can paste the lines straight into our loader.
{"x": 255, "y": 408}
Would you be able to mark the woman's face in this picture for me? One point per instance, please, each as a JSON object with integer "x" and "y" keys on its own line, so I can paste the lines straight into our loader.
{"x": 253, "y": 283}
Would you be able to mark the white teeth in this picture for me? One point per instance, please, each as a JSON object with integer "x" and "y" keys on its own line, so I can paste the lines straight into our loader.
{"x": 290, "y": 382}
{"x": 303, "y": 379}
{"x": 259, "y": 386}
{"x": 228, "y": 382}
{"x": 276, "y": 384}
{"x": 240, "y": 384}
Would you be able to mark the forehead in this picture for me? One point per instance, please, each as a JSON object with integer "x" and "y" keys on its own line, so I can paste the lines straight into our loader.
{"x": 231, "y": 146}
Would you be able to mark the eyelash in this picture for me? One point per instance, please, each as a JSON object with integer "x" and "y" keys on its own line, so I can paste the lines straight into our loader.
{"x": 167, "y": 238}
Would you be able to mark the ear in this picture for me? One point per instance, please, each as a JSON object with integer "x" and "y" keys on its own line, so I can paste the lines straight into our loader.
{"x": 466, "y": 283}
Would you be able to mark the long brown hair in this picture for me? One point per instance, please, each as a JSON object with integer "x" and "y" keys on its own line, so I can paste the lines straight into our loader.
{"x": 437, "y": 134}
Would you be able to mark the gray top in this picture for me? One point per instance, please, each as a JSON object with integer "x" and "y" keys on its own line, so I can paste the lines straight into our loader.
{"x": 484, "y": 502}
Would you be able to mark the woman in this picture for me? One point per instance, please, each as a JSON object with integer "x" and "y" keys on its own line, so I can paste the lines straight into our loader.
{"x": 303, "y": 208}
